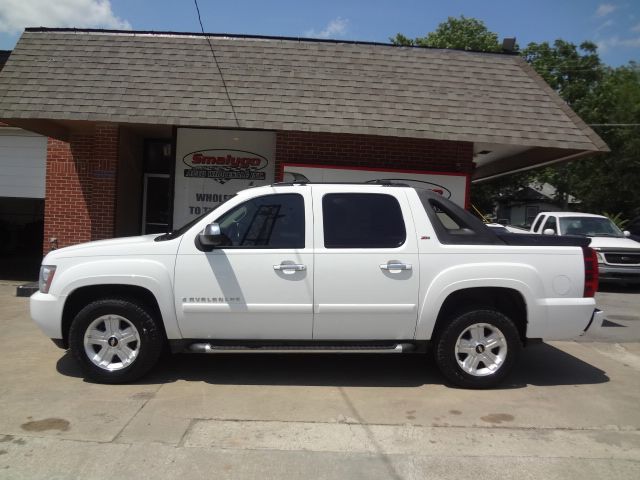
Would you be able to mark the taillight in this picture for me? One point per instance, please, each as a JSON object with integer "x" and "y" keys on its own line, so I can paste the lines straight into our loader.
{"x": 590, "y": 271}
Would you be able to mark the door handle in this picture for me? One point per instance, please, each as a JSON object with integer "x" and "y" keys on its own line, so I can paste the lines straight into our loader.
{"x": 296, "y": 267}
{"x": 396, "y": 266}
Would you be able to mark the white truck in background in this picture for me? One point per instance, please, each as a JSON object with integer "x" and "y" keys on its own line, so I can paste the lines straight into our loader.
{"x": 325, "y": 268}
{"x": 618, "y": 255}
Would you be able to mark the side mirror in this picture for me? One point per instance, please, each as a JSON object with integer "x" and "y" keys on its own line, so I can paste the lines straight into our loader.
{"x": 549, "y": 231}
{"x": 627, "y": 233}
{"x": 212, "y": 237}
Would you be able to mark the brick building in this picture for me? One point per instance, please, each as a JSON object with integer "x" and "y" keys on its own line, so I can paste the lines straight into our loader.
{"x": 147, "y": 130}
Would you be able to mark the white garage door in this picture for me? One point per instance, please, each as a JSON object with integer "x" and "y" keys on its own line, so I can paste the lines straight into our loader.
{"x": 22, "y": 163}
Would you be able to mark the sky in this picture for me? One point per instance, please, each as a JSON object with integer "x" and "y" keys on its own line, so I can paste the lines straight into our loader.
{"x": 613, "y": 24}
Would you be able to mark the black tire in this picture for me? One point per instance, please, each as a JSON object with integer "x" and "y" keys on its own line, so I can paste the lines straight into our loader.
{"x": 447, "y": 358}
{"x": 148, "y": 349}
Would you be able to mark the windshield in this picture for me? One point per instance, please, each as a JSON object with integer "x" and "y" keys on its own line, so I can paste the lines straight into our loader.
{"x": 180, "y": 231}
{"x": 589, "y": 227}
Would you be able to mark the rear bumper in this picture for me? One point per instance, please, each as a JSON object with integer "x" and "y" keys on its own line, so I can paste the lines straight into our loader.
{"x": 567, "y": 318}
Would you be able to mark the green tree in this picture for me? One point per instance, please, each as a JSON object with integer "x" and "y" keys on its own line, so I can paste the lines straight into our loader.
{"x": 401, "y": 40}
{"x": 573, "y": 72}
{"x": 459, "y": 33}
{"x": 609, "y": 99}
{"x": 611, "y": 182}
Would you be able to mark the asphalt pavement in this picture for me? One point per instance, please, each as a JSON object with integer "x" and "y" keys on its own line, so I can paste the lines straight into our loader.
{"x": 570, "y": 411}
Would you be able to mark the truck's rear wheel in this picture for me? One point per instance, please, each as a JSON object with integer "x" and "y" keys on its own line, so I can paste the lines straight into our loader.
{"x": 115, "y": 340}
{"x": 478, "y": 348}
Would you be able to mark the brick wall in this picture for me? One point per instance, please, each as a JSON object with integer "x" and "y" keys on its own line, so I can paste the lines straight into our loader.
{"x": 373, "y": 152}
{"x": 81, "y": 187}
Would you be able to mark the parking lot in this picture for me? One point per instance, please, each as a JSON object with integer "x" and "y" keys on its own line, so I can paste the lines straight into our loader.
{"x": 570, "y": 411}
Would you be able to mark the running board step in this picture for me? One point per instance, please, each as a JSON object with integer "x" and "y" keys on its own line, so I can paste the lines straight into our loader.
{"x": 209, "y": 348}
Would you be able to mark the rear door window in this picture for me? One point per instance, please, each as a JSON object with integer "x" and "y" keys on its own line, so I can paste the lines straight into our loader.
{"x": 362, "y": 220}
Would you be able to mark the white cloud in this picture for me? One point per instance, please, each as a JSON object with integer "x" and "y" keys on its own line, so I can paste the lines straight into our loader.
{"x": 636, "y": 28}
{"x": 605, "y": 9}
{"x": 617, "y": 42}
{"x": 607, "y": 24}
{"x": 335, "y": 28}
{"x": 15, "y": 15}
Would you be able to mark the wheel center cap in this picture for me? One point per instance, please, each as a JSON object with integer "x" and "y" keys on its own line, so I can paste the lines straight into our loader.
{"x": 113, "y": 341}
{"x": 479, "y": 348}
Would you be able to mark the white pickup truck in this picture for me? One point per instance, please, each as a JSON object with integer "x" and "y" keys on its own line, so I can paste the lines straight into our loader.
{"x": 325, "y": 268}
{"x": 618, "y": 256}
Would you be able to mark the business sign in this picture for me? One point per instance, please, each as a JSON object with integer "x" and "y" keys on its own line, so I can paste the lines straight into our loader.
{"x": 452, "y": 186}
{"x": 223, "y": 165}
{"x": 213, "y": 165}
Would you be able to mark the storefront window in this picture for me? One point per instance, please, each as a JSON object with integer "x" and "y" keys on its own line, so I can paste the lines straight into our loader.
{"x": 158, "y": 156}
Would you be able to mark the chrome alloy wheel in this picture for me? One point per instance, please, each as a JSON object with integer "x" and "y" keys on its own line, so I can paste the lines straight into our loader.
{"x": 111, "y": 342}
{"x": 481, "y": 349}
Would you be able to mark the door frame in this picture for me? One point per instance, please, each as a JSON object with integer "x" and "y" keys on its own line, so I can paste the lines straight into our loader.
{"x": 145, "y": 178}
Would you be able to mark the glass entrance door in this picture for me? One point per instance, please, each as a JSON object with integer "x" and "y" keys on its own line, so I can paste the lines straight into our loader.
{"x": 155, "y": 203}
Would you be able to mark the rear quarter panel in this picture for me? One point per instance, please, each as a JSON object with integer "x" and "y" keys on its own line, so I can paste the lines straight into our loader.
{"x": 537, "y": 274}
{"x": 550, "y": 279}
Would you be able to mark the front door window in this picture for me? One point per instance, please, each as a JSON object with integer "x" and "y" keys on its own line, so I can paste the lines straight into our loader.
{"x": 270, "y": 221}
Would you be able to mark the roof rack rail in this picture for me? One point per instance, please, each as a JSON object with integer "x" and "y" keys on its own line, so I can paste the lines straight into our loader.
{"x": 384, "y": 183}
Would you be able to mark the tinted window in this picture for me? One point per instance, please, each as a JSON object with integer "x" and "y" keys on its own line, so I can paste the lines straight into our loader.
{"x": 551, "y": 223}
{"x": 362, "y": 220}
{"x": 271, "y": 221}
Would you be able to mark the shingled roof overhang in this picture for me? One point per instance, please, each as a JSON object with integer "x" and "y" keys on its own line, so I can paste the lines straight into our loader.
{"x": 56, "y": 79}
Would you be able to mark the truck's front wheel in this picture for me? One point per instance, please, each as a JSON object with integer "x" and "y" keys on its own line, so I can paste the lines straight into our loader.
{"x": 115, "y": 340}
{"x": 478, "y": 348}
